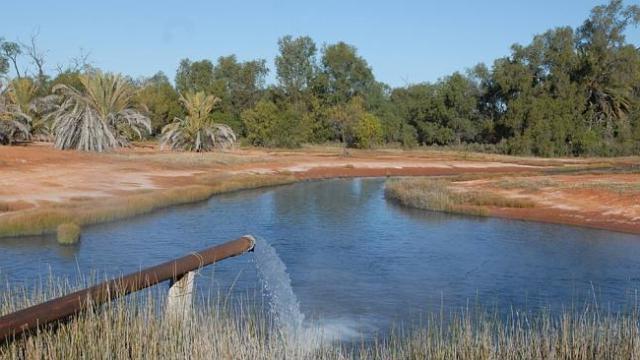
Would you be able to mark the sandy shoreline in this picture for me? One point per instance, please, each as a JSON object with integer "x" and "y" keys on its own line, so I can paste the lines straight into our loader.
{"x": 37, "y": 177}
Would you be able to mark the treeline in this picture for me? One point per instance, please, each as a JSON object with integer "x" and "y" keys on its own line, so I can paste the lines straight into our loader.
{"x": 569, "y": 92}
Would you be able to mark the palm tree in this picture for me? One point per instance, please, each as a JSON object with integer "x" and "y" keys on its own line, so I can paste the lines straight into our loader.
{"x": 14, "y": 124}
{"x": 197, "y": 132}
{"x": 100, "y": 118}
{"x": 30, "y": 108}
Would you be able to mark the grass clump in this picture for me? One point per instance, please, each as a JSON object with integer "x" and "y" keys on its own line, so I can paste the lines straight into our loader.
{"x": 438, "y": 195}
{"x": 68, "y": 234}
{"x": 135, "y": 328}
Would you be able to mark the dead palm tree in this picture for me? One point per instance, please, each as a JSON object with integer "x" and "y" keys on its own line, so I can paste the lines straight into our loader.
{"x": 100, "y": 118}
{"x": 197, "y": 132}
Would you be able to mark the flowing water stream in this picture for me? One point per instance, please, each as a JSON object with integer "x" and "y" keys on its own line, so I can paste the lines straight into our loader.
{"x": 283, "y": 302}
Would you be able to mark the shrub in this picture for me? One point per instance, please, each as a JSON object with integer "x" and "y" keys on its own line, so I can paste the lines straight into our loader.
{"x": 367, "y": 132}
{"x": 68, "y": 234}
{"x": 268, "y": 125}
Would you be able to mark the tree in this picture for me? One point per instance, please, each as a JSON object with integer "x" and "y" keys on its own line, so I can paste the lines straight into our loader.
{"x": 241, "y": 82}
{"x": 296, "y": 64}
{"x": 367, "y": 132}
{"x": 4, "y": 60}
{"x": 37, "y": 56}
{"x": 260, "y": 123}
{"x": 30, "y": 107}
{"x": 14, "y": 125}
{"x": 455, "y": 107}
{"x": 268, "y": 125}
{"x": 238, "y": 85}
{"x": 195, "y": 76}
{"x": 99, "y": 118}
{"x": 345, "y": 73}
{"x": 609, "y": 67}
{"x": 161, "y": 101}
{"x": 22, "y": 105}
{"x": 10, "y": 51}
{"x": 354, "y": 125}
{"x": 196, "y": 131}
{"x": 70, "y": 78}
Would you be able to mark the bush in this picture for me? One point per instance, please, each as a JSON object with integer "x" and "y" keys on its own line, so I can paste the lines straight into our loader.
{"x": 367, "y": 132}
{"x": 68, "y": 234}
{"x": 409, "y": 136}
{"x": 433, "y": 133}
{"x": 268, "y": 125}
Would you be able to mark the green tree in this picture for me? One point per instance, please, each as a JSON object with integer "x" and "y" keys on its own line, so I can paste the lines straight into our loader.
{"x": 4, "y": 60}
{"x": 195, "y": 76}
{"x": 69, "y": 78}
{"x": 9, "y": 52}
{"x": 443, "y": 113}
{"x": 344, "y": 73}
{"x": 238, "y": 85}
{"x": 354, "y": 126}
{"x": 609, "y": 67}
{"x": 367, "y": 132}
{"x": 161, "y": 100}
{"x": 241, "y": 83}
{"x": 296, "y": 65}
{"x": 268, "y": 125}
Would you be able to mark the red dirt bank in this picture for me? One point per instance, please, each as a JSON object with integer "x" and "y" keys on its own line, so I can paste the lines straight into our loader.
{"x": 38, "y": 176}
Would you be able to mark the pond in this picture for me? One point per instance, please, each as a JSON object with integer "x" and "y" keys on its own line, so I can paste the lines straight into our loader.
{"x": 352, "y": 256}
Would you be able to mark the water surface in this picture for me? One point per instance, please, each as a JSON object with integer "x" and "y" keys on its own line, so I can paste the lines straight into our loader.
{"x": 354, "y": 257}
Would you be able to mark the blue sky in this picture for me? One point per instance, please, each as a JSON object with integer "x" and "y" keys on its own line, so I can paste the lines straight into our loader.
{"x": 403, "y": 41}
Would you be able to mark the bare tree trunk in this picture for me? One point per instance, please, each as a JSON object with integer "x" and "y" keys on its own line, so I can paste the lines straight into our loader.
{"x": 36, "y": 55}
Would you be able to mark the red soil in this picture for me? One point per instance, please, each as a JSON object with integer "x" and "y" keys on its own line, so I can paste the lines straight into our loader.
{"x": 39, "y": 176}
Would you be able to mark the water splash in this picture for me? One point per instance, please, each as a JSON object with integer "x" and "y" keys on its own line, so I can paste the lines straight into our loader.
{"x": 283, "y": 302}
{"x": 285, "y": 308}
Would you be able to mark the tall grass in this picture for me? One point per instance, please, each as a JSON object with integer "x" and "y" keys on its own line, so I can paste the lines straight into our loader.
{"x": 134, "y": 328}
{"x": 437, "y": 194}
{"x": 46, "y": 219}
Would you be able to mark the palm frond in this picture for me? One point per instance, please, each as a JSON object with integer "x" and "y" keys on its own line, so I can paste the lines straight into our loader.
{"x": 12, "y": 131}
{"x": 196, "y": 132}
{"x": 14, "y": 124}
{"x": 99, "y": 119}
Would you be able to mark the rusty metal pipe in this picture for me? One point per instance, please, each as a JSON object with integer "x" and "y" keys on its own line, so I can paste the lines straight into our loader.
{"x": 62, "y": 308}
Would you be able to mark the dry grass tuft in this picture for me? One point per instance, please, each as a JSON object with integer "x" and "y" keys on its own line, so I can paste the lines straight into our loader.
{"x": 68, "y": 234}
{"x": 438, "y": 195}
